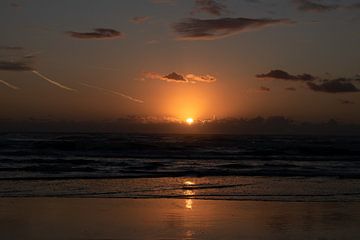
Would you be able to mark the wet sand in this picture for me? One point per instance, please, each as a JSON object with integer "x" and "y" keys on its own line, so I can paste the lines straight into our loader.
{"x": 105, "y": 218}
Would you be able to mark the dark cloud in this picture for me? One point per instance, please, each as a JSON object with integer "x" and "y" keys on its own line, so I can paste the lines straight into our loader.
{"x": 341, "y": 79}
{"x": 337, "y": 85}
{"x": 14, "y": 66}
{"x": 140, "y": 19}
{"x": 283, "y": 75}
{"x": 346, "y": 102}
{"x": 209, "y": 29}
{"x": 98, "y": 33}
{"x": 212, "y": 7}
{"x": 175, "y": 77}
{"x": 333, "y": 86}
{"x": 314, "y": 6}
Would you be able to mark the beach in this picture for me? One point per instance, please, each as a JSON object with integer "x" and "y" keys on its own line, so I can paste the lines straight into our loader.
{"x": 106, "y": 218}
{"x": 100, "y": 186}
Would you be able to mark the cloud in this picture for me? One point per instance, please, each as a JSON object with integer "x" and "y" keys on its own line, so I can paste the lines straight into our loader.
{"x": 24, "y": 67}
{"x": 338, "y": 85}
{"x": 333, "y": 86}
{"x": 98, "y": 33}
{"x": 212, "y": 7}
{"x": 346, "y": 102}
{"x": 172, "y": 77}
{"x": 52, "y": 81}
{"x": 14, "y": 66}
{"x": 9, "y": 85}
{"x": 283, "y": 75}
{"x": 200, "y": 78}
{"x": 210, "y": 29}
{"x": 114, "y": 92}
{"x": 175, "y": 77}
{"x": 313, "y": 6}
{"x": 140, "y": 19}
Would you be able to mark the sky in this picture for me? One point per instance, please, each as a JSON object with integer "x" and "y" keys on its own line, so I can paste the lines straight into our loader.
{"x": 174, "y": 59}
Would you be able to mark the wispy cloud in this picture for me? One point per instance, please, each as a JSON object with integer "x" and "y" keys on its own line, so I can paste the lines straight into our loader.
{"x": 314, "y": 6}
{"x": 178, "y": 78}
{"x": 24, "y": 66}
{"x": 113, "y": 92}
{"x": 210, "y": 29}
{"x": 290, "y": 89}
{"x": 283, "y": 75}
{"x": 98, "y": 33}
{"x": 52, "y": 81}
{"x": 212, "y": 7}
{"x": 140, "y": 19}
{"x": 9, "y": 85}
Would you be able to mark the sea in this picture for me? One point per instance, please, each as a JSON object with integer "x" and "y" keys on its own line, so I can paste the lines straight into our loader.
{"x": 216, "y": 167}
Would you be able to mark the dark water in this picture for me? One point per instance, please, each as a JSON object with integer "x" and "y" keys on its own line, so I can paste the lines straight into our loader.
{"x": 221, "y": 166}
{"x": 112, "y": 155}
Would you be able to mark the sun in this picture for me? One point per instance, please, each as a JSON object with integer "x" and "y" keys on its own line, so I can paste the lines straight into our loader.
{"x": 189, "y": 121}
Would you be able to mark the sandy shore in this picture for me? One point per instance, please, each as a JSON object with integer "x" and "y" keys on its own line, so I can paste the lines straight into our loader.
{"x": 72, "y": 218}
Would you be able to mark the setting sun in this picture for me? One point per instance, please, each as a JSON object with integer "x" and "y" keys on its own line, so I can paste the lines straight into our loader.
{"x": 189, "y": 121}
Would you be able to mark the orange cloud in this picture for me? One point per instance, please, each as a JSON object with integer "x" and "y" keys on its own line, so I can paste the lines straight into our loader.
{"x": 178, "y": 78}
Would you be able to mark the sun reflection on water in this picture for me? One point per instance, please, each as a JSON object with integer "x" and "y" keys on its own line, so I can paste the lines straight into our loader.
{"x": 189, "y": 194}
{"x": 189, "y": 183}
{"x": 188, "y": 203}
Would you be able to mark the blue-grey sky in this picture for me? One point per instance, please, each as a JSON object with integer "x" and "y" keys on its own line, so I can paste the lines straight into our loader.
{"x": 90, "y": 59}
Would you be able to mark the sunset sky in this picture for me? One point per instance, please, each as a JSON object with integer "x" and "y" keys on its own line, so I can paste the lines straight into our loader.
{"x": 90, "y": 59}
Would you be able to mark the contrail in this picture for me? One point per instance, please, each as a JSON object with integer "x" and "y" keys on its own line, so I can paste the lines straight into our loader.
{"x": 9, "y": 85}
{"x": 52, "y": 81}
{"x": 114, "y": 92}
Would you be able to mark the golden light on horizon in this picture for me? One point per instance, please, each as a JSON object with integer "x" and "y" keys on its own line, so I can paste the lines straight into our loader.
{"x": 189, "y": 121}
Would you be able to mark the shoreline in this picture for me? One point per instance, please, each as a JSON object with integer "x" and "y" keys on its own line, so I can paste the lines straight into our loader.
{"x": 114, "y": 218}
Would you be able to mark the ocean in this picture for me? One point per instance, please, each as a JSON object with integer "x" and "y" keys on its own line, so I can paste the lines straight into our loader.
{"x": 226, "y": 167}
